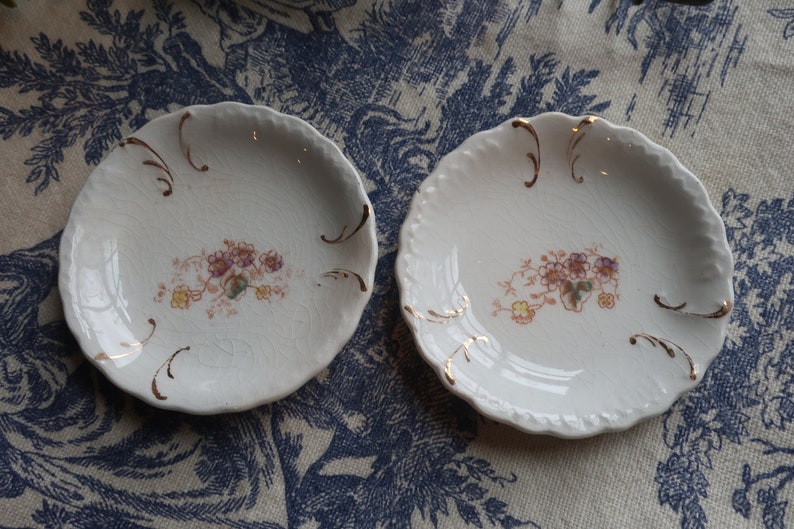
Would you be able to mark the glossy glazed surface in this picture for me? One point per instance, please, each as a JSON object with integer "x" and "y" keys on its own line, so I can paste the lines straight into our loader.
{"x": 218, "y": 258}
{"x": 565, "y": 275}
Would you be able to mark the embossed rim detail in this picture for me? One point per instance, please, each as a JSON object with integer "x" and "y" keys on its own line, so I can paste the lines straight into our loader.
{"x": 219, "y": 167}
{"x": 527, "y": 377}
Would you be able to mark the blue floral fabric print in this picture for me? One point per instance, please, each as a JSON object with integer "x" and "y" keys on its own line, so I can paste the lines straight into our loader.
{"x": 375, "y": 441}
{"x": 403, "y": 436}
{"x": 87, "y": 93}
{"x": 751, "y": 382}
{"x": 688, "y": 53}
{"x": 788, "y": 16}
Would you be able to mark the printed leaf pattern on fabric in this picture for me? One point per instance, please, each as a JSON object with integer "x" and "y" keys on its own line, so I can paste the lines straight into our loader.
{"x": 750, "y": 387}
{"x": 374, "y": 454}
{"x": 788, "y": 15}
{"x": 47, "y": 401}
{"x": 404, "y": 416}
{"x": 88, "y": 93}
{"x": 91, "y": 92}
{"x": 689, "y": 53}
{"x": 399, "y": 441}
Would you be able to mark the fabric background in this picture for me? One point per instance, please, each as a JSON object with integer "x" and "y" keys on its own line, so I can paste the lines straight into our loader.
{"x": 376, "y": 441}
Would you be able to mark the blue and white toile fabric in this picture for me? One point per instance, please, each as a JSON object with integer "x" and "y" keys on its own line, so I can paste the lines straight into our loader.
{"x": 376, "y": 441}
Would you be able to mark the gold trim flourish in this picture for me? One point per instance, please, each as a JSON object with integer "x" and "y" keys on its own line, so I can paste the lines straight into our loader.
{"x": 437, "y": 317}
{"x": 465, "y": 346}
{"x": 341, "y": 238}
{"x": 535, "y": 159}
{"x": 669, "y": 347}
{"x": 133, "y": 347}
{"x": 159, "y": 163}
{"x": 336, "y": 273}
{"x": 185, "y": 147}
{"x": 167, "y": 365}
{"x": 576, "y": 138}
{"x": 724, "y": 310}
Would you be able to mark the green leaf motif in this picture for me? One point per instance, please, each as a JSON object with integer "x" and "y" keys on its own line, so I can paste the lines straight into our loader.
{"x": 575, "y": 293}
{"x": 236, "y": 286}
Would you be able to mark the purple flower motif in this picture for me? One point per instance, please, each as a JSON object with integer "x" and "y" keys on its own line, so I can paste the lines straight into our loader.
{"x": 272, "y": 261}
{"x": 220, "y": 263}
{"x": 606, "y": 268}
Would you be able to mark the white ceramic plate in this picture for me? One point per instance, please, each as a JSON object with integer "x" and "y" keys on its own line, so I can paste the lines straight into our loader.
{"x": 565, "y": 275}
{"x": 218, "y": 258}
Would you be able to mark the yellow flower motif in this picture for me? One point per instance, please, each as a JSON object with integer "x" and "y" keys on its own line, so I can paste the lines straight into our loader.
{"x": 264, "y": 292}
{"x": 522, "y": 313}
{"x": 180, "y": 298}
{"x": 606, "y": 300}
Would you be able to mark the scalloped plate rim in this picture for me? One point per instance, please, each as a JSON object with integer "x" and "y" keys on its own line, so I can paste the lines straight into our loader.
{"x": 339, "y": 339}
{"x": 631, "y": 417}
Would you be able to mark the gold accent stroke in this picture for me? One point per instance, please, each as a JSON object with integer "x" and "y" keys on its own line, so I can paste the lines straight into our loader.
{"x": 167, "y": 365}
{"x": 185, "y": 147}
{"x": 336, "y": 273}
{"x": 437, "y": 317}
{"x": 577, "y": 136}
{"x": 724, "y": 310}
{"x": 133, "y": 347}
{"x": 669, "y": 347}
{"x": 158, "y": 163}
{"x": 342, "y": 238}
{"x": 534, "y": 158}
{"x": 465, "y": 346}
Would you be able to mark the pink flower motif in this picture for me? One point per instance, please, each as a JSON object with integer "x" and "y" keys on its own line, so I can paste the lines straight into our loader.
{"x": 220, "y": 263}
{"x": 272, "y": 261}
{"x": 577, "y": 266}
{"x": 243, "y": 254}
{"x": 552, "y": 275}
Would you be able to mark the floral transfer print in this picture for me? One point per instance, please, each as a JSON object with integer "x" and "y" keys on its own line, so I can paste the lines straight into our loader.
{"x": 225, "y": 276}
{"x": 572, "y": 277}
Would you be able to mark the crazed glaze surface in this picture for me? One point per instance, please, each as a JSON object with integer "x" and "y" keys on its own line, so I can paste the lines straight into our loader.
{"x": 218, "y": 258}
{"x": 514, "y": 232}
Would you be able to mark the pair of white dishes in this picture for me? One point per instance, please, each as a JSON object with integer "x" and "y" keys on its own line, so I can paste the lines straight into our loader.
{"x": 563, "y": 275}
